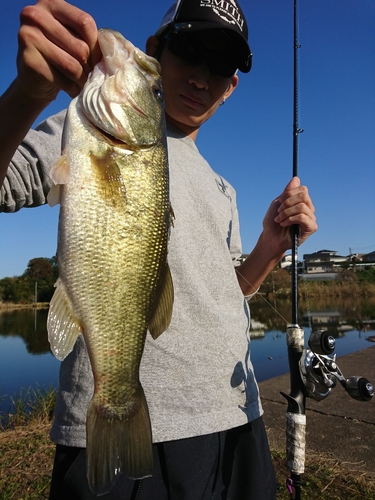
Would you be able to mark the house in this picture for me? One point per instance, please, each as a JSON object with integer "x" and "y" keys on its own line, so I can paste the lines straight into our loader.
{"x": 369, "y": 257}
{"x": 322, "y": 261}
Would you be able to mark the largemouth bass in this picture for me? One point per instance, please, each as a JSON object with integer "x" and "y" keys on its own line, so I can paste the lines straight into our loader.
{"x": 114, "y": 282}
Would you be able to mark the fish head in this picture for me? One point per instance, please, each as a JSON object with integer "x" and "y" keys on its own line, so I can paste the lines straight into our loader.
{"x": 123, "y": 95}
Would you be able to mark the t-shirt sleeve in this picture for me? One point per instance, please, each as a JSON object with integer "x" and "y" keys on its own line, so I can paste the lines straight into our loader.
{"x": 27, "y": 181}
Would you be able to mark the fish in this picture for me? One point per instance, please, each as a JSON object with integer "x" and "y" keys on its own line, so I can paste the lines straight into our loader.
{"x": 114, "y": 284}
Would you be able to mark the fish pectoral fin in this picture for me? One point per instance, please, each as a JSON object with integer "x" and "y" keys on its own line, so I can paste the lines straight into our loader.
{"x": 54, "y": 196}
{"x": 63, "y": 328}
{"x": 163, "y": 313}
{"x": 59, "y": 174}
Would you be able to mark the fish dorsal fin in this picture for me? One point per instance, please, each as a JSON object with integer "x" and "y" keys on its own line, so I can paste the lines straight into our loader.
{"x": 163, "y": 313}
{"x": 59, "y": 174}
{"x": 63, "y": 328}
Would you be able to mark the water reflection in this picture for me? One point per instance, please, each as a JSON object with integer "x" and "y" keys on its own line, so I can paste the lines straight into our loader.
{"x": 25, "y": 356}
{"x": 30, "y": 325}
{"x": 333, "y": 314}
{"x": 350, "y": 321}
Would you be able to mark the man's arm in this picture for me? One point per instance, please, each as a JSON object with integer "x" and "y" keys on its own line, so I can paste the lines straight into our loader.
{"x": 20, "y": 113}
{"x": 57, "y": 49}
{"x": 293, "y": 206}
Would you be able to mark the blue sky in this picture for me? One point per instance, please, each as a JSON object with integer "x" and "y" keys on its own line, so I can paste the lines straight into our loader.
{"x": 249, "y": 140}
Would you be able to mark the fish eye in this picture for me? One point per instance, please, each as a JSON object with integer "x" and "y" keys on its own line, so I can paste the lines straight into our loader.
{"x": 158, "y": 93}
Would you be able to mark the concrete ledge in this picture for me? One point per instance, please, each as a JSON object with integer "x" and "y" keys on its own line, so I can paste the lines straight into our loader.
{"x": 338, "y": 427}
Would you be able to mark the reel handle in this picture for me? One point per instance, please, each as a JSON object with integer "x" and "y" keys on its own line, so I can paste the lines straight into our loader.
{"x": 359, "y": 388}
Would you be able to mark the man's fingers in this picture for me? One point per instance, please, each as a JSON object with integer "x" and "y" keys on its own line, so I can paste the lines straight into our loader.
{"x": 58, "y": 47}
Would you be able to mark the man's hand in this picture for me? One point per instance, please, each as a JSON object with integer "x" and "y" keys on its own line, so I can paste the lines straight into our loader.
{"x": 58, "y": 47}
{"x": 293, "y": 206}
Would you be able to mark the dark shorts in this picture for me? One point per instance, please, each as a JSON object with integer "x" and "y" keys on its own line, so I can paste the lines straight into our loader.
{"x": 232, "y": 465}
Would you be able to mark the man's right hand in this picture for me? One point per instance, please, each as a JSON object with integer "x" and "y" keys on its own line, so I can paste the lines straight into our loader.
{"x": 58, "y": 47}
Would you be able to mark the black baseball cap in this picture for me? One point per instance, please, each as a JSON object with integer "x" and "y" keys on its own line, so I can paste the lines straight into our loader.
{"x": 189, "y": 16}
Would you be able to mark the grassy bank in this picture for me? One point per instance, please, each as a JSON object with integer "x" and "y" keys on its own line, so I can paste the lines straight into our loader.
{"x": 338, "y": 289}
{"x": 10, "y": 306}
{"x": 26, "y": 452}
{"x": 347, "y": 284}
{"x": 324, "y": 479}
{"x": 26, "y": 458}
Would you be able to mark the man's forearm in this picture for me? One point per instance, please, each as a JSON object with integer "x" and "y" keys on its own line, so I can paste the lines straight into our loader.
{"x": 260, "y": 262}
{"x": 18, "y": 113}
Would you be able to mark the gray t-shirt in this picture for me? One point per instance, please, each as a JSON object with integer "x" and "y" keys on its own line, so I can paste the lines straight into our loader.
{"x": 197, "y": 376}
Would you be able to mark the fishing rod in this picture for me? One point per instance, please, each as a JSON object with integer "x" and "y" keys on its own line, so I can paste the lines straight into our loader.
{"x": 296, "y": 399}
{"x": 313, "y": 373}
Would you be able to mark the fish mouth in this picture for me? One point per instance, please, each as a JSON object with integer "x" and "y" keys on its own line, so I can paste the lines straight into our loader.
{"x": 112, "y": 44}
{"x": 111, "y": 138}
{"x": 114, "y": 141}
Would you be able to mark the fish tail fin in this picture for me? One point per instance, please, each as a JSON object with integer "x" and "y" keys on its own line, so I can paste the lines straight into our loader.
{"x": 118, "y": 440}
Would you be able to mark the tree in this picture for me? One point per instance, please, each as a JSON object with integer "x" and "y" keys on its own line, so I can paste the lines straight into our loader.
{"x": 44, "y": 272}
{"x": 366, "y": 275}
{"x": 277, "y": 282}
{"x": 39, "y": 268}
{"x": 9, "y": 290}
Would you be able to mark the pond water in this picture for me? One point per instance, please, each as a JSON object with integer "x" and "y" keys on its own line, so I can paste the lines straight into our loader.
{"x": 25, "y": 357}
{"x": 350, "y": 321}
{"x": 26, "y": 360}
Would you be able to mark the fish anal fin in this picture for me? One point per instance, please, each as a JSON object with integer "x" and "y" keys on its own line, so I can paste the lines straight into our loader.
{"x": 163, "y": 313}
{"x": 118, "y": 440}
{"x": 63, "y": 328}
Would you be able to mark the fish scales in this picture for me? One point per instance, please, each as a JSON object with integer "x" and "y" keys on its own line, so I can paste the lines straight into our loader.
{"x": 114, "y": 281}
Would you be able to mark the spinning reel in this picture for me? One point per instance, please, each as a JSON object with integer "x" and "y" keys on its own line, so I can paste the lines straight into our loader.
{"x": 320, "y": 372}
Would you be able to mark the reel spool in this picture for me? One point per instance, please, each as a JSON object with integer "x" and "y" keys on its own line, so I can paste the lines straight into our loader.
{"x": 322, "y": 342}
{"x": 320, "y": 373}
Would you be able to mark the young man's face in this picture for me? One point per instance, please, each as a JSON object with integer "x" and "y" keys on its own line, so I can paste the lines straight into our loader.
{"x": 192, "y": 91}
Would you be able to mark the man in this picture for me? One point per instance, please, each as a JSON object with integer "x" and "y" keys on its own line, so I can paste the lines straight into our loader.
{"x": 209, "y": 438}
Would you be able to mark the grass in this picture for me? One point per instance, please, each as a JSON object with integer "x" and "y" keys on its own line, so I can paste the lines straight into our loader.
{"x": 26, "y": 452}
{"x": 29, "y": 406}
{"x": 26, "y": 458}
{"x": 325, "y": 479}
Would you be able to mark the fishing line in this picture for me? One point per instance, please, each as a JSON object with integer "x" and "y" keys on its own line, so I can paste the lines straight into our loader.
{"x": 256, "y": 290}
